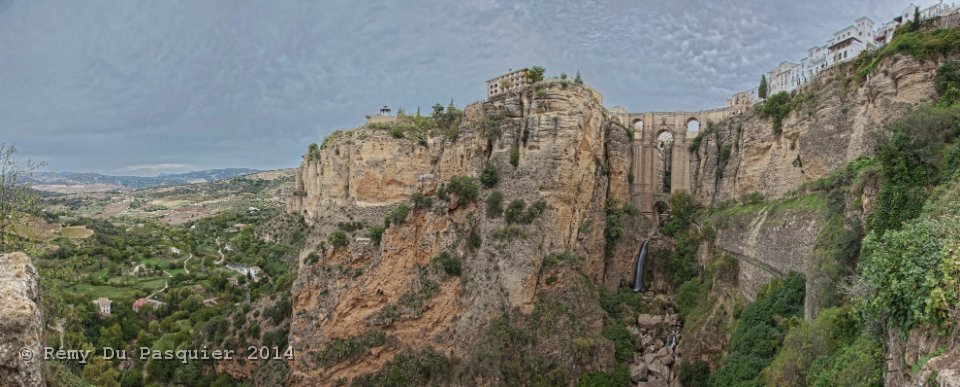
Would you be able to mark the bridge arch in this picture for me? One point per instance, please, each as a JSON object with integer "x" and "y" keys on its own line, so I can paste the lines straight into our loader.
{"x": 693, "y": 124}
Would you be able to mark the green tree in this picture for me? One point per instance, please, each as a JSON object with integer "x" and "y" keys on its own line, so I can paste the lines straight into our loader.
{"x": 16, "y": 199}
{"x": 494, "y": 204}
{"x": 762, "y": 90}
{"x": 535, "y": 74}
{"x": 338, "y": 239}
{"x": 101, "y": 373}
{"x": 489, "y": 176}
{"x": 578, "y": 80}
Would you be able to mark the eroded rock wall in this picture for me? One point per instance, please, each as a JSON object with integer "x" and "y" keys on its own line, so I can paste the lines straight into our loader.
{"x": 555, "y": 145}
{"x": 829, "y": 128}
{"x": 21, "y": 322}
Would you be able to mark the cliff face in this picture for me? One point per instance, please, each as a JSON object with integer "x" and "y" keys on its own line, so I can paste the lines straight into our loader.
{"x": 553, "y": 145}
{"x": 830, "y": 126}
{"x": 21, "y": 322}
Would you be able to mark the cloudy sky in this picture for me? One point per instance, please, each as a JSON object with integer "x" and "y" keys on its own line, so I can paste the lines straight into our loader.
{"x": 142, "y": 87}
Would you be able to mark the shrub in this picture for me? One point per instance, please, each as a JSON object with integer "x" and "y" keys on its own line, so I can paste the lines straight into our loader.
{"x": 623, "y": 344}
{"x": 696, "y": 374}
{"x": 313, "y": 151}
{"x": 397, "y": 216}
{"x": 465, "y": 188}
{"x": 910, "y": 161}
{"x": 448, "y": 262}
{"x": 777, "y": 107}
{"x": 620, "y": 376}
{"x": 534, "y": 211}
{"x": 494, "y": 204}
{"x": 409, "y": 370}
{"x": 474, "y": 240}
{"x": 947, "y": 82}
{"x": 804, "y": 344}
{"x": 375, "y": 233}
{"x": 492, "y": 127}
{"x": 514, "y": 212}
{"x": 859, "y": 364}
{"x": 535, "y": 74}
{"x": 758, "y": 336}
{"x": 420, "y": 201}
{"x": 489, "y": 176}
{"x": 614, "y": 229}
{"x": 620, "y": 303}
{"x": 442, "y": 193}
{"x": 682, "y": 209}
{"x": 515, "y": 157}
{"x": 338, "y": 238}
{"x": 351, "y": 347}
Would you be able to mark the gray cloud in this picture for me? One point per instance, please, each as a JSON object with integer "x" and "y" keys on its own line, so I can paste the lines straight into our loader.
{"x": 111, "y": 85}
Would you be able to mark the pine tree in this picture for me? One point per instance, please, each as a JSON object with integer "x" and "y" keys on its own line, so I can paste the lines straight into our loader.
{"x": 762, "y": 90}
{"x": 577, "y": 79}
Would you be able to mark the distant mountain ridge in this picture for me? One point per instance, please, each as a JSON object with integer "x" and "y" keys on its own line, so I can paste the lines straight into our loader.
{"x": 74, "y": 179}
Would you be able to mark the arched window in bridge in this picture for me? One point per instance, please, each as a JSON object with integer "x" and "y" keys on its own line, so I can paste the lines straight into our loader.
{"x": 693, "y": 125}
{"x": 664, "y": 160}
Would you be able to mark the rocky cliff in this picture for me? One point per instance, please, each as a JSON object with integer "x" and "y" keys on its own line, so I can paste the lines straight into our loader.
{"x": 829, "y": 124}
{"x": 21, "y": 322}
{"x": 551, "y": 144}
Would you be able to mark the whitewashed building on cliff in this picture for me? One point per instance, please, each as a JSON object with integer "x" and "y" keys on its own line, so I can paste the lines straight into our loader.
{"x": 513, "y": 79}
{"x": 845, "y": 45}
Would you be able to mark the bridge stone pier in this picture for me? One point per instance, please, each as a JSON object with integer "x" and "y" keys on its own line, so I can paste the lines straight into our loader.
{"x": 660, "y": 153}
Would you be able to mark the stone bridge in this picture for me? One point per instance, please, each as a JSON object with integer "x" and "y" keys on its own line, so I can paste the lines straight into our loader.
{"x": 661, "y": 155}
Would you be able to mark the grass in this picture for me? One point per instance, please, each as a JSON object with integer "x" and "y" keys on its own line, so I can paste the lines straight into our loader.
{"x": 76, "y": 232}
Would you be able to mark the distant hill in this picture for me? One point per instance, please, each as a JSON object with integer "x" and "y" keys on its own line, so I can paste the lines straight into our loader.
{"x": 68, "y": 182}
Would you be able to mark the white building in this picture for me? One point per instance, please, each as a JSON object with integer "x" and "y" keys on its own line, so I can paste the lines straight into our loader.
{"x": 782, "y": 78}
{"x": 845, "y": 45}
{"x": 852, "y": 40}
{"x": 251, "y": 272}
{"x": 104, "y": 306}
{"x": 507, "y": 82}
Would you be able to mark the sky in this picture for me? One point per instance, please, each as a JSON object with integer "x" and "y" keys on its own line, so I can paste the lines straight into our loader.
{"x": 144, "y": 87}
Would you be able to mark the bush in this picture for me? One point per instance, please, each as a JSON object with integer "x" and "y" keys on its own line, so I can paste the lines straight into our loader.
{"x": 535, "y": 74}
{"x": 777, "y": 107}
{"x": 947, "y": 83}
{"x": 474, "y": 240}
{"x": 620, "y": 376}
{"x": 910, "y": 161}
{"x": 620, "y": 303}
{"x": 623, "y": 344}
{"x": 465, "y": 188}
{"x": 489, "y": 176}
{"x": 534, "y": 211}
{"x": 614, "y": 229}
{"x": 860, "y": 364}
{"x": 375, "y": 233}
{"x": 494, "y": 204}
{"x": 448, "y": 262}
{"x": 409, "y": 369}
{"x": 338, "y": 239}
{"x": 351, "y": 347}
{"x": 492, "y": 127}
{"x": 682, "y": 209}
{"x": 804, "y": 344}
{"x": 689, "y": 295}
{"x": 515, "y": 157}
{"x": 420, "y": 201}
{"x": 397, "y": 215}
{"x": 758, "y": 336}
{"x": 696, "y": 374}
{"x": 514, "y": 213}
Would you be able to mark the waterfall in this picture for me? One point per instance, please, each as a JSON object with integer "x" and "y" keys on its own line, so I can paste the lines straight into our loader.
{"x": 638, "y": 277}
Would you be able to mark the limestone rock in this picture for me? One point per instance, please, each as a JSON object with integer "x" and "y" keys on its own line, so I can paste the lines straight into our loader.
{"x": 21, "y": 322}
